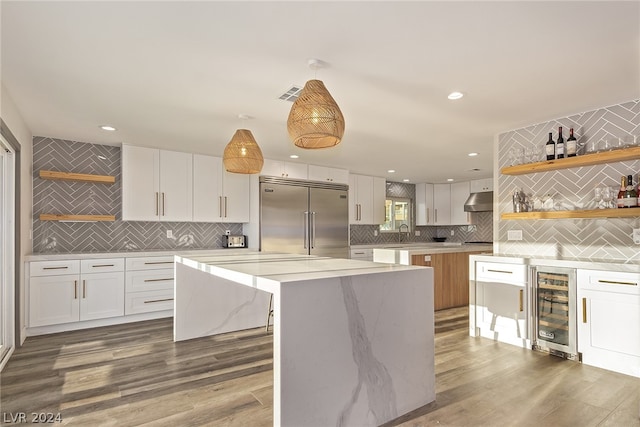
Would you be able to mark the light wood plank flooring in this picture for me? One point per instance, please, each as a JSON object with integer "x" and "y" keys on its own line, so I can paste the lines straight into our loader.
{"x": 131, "y": 375}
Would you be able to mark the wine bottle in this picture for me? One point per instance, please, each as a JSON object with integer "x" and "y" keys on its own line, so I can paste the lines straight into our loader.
{"x": 630, "y": 195}
{"x": 572, "y": 144}
{"x": 560, "y": 145}
{"x": 623, "y": 189}
{"x": 550, "y": 148}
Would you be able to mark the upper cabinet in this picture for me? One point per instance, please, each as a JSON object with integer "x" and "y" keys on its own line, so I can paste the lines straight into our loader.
{"x": 367, "y": 196}
{"x": 284, "y": 169}
{"x": 323, "y": 173}
{"x": 442, "y": 204}
{"x": 157, "y": 185}
{"x": 459, "y": 194}
{"x": 218, "y": 195}
{"x": 424, "y": 204}
{"x": 481, "y": 185}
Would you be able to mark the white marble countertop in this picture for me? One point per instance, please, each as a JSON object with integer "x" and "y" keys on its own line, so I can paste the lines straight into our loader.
{"x": 281, "y": 267}
{"x": 437, "y": 248}
{"x": 147, "y": 253}
{"x": 587, "y": 264}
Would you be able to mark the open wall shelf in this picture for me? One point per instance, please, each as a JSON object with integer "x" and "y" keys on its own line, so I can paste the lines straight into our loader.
{"x": 576, "y": 214}
{"x": 79, "y": 177}
{"x": 53, "y": 217}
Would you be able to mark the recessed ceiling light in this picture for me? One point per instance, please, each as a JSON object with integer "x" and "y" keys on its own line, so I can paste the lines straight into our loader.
{"x": 391, "y": 171}
{"x": 108, "y": 127}
{"x": 455, "y": 95}
{"x": 472, "y": 154}
{"x": 405, "y": 180}
{"x": 449, "y": 179}
{"x": 294, "y": 156}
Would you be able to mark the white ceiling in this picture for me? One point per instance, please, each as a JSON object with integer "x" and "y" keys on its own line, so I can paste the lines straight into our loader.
{"x": 175, "y": 75}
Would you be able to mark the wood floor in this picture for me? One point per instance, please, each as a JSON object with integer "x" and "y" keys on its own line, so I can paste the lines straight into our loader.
{"x": 131, "y": 375}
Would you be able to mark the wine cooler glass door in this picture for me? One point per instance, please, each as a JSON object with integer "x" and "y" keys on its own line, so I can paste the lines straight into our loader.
{"x": 555, "y": 308}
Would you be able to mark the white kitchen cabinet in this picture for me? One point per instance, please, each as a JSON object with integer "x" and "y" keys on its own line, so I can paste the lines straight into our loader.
{"x": 481, "y": 185}
{"x": 156, "y": 184}
{"x": 424, "y": 204}
{"x": 502, "y": 303}
{"x": 459, "y": 194}
{"x": 323, "y": 173}
{"x": 149, "y": 284}
{"x": 441, "y": 204}
{"x": 218, "y": 195}
{"x": 365, "y": 254}
{"x": 367, "y": 196}
{"x": 284, "y": 169}
{"x": 97, "y": 292}
{"x": 608, "y": 319}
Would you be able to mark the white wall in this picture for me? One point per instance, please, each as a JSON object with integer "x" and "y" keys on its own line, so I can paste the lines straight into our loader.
{"x": 14, "y": 121}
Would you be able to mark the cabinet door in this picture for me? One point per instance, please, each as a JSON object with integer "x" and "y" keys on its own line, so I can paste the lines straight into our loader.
{"x": 441, "y": 204}
{"x": 608, "y": 334}
{"x": 207, "y": 188}
{"x": 272, "y": 168}
{"x": 319, "y": 173}
{"x": 176, "y": 186}
{"x": 364, "y": 194}
{"x": 482, "y": 185}
{"x": 295, "y": 170}
{"x": 102, "y": 295}
{"x": 459, "y": 195}
{"x": 236, "y": 193}
{"x": 378, "y": 201}
{"x": 53, "y": 300}
{"x": 424, "y": 204}
{"x": 140, "y": 183}
{"x": 501, "y": 312}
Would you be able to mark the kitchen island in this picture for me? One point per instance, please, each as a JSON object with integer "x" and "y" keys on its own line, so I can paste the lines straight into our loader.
{"x": 353, "y": 340}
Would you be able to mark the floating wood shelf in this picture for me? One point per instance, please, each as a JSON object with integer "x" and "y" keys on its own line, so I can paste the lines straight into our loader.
{"x": 620, "y": 155}
{"x": 80, "y": 177}
{"x": 53, "y": 217}
{"x": 577, "y": 214}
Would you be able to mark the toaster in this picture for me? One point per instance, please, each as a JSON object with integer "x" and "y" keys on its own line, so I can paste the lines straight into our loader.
{"x": 234, "y": 241}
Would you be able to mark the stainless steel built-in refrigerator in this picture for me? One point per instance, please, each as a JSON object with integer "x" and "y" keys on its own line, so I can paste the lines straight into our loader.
{"x": 304, "y": 217}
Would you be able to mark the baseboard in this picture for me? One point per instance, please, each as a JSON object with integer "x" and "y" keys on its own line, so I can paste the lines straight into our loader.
{"x": 5, "y": 359}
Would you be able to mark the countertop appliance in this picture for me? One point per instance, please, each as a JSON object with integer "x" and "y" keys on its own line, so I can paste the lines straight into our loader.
{"x": 234, "y": 241}
{"x": 555, "y": 311}
{"x": 304, "y": 217}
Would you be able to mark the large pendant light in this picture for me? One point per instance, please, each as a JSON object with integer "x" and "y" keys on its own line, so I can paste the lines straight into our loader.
{"x": 315, "y": 120}
{"x": 242, "y": 154}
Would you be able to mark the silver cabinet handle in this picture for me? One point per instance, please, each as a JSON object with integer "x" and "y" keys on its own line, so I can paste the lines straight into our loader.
{"x": 500, "y": 271}
{"x": 103, "y": 265}
{"x": 435, "y": 216}
{"x": 55, "y": 268}
{"x": 225, "y": 206}
{"x": 158, "y": 300}
{"x": 157, "y": 204}
{"x": 220, "y": 206}
{"x": 158, "y": 280}
{"x": 158, "y": 262}
{"x": 427, "y": 215}
{"x": 163, "y": 203}
{"x": 75, "y": 289}
{"x": 84, "y": 289}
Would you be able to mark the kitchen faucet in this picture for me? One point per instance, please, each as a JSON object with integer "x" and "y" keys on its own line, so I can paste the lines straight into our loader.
{"x": 400, "y": 232}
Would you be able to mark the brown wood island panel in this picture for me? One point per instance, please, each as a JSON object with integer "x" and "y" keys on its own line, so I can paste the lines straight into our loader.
{"x": 450, "y": 277}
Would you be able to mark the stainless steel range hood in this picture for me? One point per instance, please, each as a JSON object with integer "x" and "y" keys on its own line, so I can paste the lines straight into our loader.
{"x": 479, "y": 202}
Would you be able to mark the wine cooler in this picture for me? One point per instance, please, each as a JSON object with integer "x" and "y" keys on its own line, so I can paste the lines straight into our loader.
{"x": 555, "y": 308}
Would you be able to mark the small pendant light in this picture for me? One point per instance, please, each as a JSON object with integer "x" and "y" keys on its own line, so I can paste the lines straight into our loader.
{"x": 315, "y": 120}
{"x": 242, "y": 154}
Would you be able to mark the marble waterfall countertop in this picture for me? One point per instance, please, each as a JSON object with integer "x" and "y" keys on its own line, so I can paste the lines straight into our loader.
{"x": 353, "y": 340}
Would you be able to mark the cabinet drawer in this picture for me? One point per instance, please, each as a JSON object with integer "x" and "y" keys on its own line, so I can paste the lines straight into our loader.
{"x": 137, "y": 281}
{"x": 105, "y": 265}
{"x": 502, "y": 273}
{"x": 609, "y": 281}
{"x": 148, "y": 301}
{"x": 149, "y": 263}
{"x": 365, "y": 254}
{"x": 54, "y": 268}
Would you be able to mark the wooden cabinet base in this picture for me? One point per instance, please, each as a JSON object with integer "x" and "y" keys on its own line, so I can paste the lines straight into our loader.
{"x": 450, "y": 277}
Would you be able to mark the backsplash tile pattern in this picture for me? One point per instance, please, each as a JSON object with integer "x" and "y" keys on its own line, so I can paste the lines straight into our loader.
{"x": 60, "y": 197}
{"x": 482, "y": 230}
{"x": 607, "y": 239}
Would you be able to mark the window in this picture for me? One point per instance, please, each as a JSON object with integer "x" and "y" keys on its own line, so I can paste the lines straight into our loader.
{"x": 397, "y": 213}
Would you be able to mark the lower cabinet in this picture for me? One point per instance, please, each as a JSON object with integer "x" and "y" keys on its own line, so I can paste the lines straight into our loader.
{"x": 361, "y": 254}
{"x": 609, "y": 319}
{"x": 149, "y": 284}
{"x": 96, "y": 291}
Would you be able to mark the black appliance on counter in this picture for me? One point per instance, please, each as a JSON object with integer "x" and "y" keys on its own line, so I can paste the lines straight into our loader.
{"x": 234, "y": 241}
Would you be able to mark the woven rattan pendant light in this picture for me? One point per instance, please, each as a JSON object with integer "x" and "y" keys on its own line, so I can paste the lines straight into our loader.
{"x": 242, "y": 154}
{"x": 315, "y": 120}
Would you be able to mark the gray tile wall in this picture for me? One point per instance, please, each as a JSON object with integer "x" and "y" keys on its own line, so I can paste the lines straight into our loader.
{"x": 64, "y": 197}
{"x": 482, "y": 230}
{"x": 608, "y": 239}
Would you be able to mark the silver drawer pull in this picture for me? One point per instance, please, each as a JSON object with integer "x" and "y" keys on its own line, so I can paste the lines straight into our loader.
{"x": 611, "y": 282}
{"x": 158, "y": 262}
{"x": 501, "y": 271}
{"x": 103, "y": 265}
{"x": 158, "y": 300}
{"x": 55, "y": 268}
{"x": 358, "y": 253}
{"x": 158, "y": 280}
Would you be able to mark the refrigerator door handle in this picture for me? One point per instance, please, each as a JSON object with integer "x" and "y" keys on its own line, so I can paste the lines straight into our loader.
{"x": 313, "y": 230}
{"x": 306, "y": 228}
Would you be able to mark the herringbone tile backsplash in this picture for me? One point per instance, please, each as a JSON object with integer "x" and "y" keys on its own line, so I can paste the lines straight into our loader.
{"x": 65, "y": 197}
{"x": 608, "y": 239}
